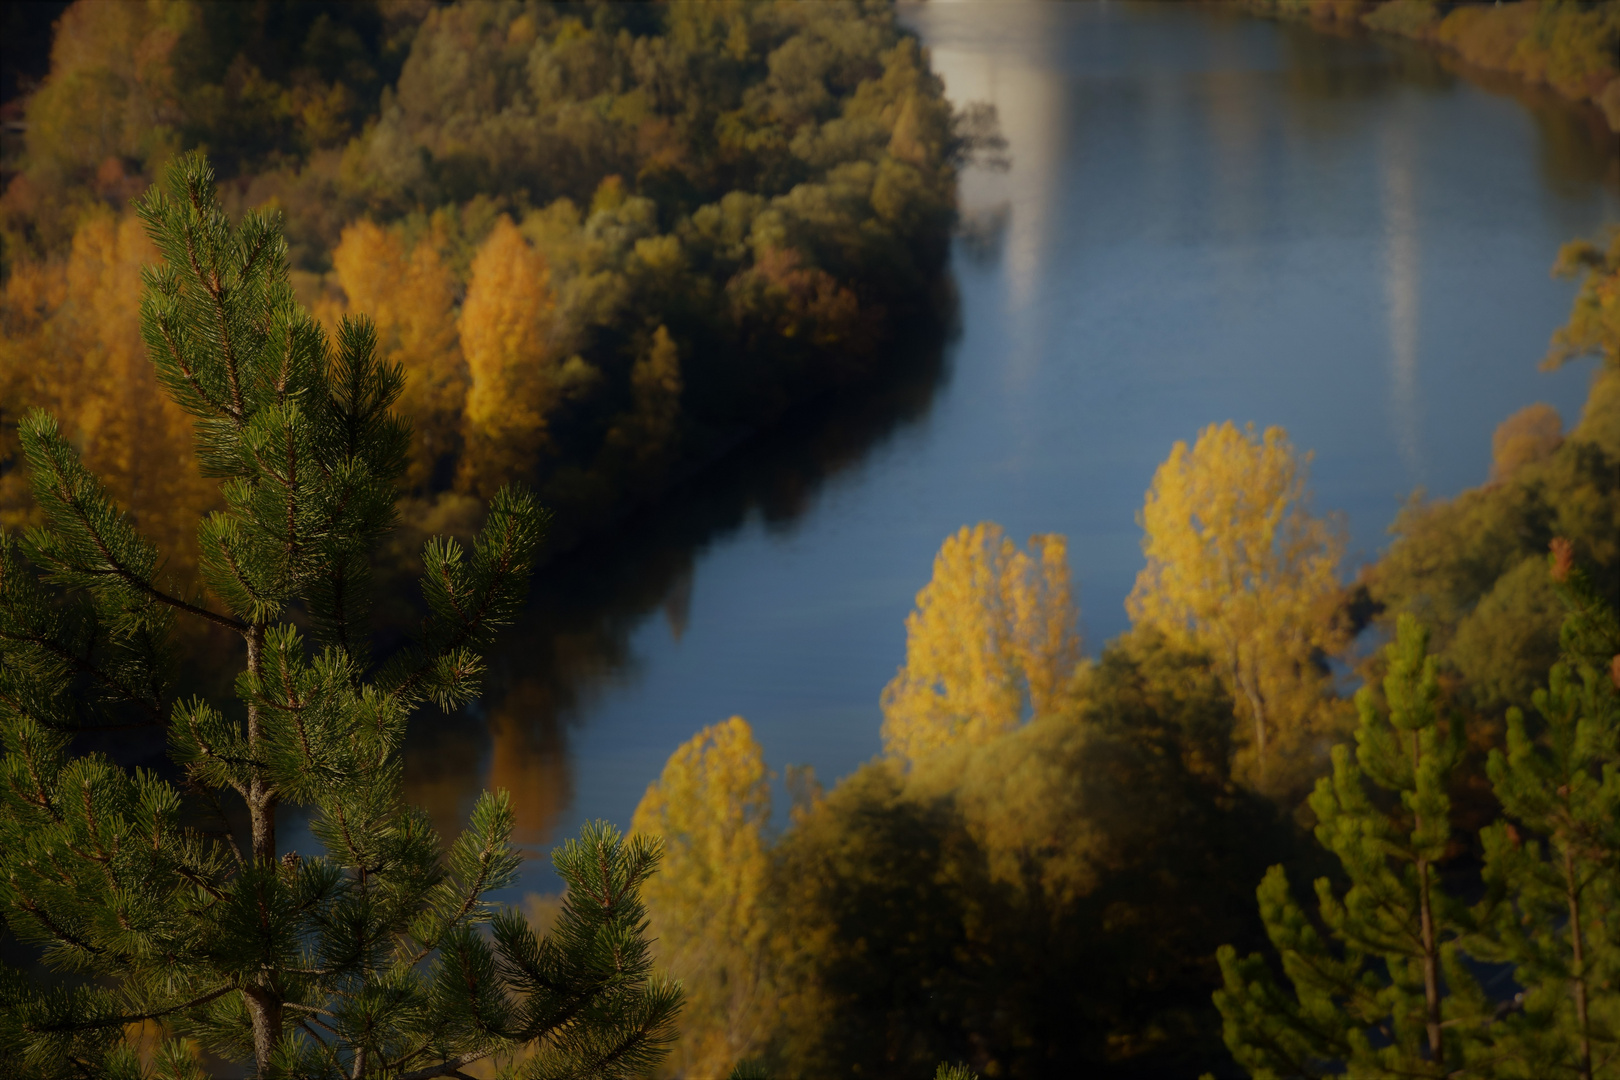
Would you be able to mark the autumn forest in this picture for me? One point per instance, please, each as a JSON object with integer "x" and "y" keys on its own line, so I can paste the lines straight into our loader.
{"x": 336, "y": 337}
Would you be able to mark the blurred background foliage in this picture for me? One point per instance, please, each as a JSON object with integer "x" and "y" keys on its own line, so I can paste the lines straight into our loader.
{"x": 605, "y": 241}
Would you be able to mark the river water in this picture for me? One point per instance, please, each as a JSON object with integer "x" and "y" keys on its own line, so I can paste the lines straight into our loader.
{"x": 1206, "y": 217}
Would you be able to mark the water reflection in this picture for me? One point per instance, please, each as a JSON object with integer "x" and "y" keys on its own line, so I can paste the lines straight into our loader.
{"x": 574, "y": 640}
{"x": 1401, "y": 285}
{"x": 1031, "y": 103}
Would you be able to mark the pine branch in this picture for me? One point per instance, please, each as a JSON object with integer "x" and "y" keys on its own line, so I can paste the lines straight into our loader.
{"x": 59, "y": 479}
{"x": 370, "y": 949}
{"x": 83, "y": 664}
{"x": 136, "y": 1018}
{"x": 445, "y": 1068}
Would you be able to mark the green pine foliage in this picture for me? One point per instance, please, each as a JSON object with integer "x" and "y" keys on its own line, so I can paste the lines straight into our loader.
{"x": 150, "y": 900}
{"x": 1369, "y": 993}
{"x": 1395, "y": 993}
{"x": 1553, "y": 909}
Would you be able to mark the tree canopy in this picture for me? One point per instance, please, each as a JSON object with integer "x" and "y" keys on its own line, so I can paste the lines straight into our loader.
{"x": 175, "y": 901}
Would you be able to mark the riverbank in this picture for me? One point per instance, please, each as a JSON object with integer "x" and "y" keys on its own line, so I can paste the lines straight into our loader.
{"x": 1572, "y": 48}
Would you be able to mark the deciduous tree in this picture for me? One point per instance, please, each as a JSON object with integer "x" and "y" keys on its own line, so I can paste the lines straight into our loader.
{"x": 711, "y": 806}
{"x": 411, "y": 299}
{"x": 512, "y": 390}
{"x": 993, "y": 641}
{"x": 1239, "y": 567}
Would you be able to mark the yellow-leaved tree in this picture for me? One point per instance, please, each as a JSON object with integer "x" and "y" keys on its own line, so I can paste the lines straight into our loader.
{"x": 994, "y": 639}
{"x": 411, "y": 297}
{"x": 72, "y": 344}
{"x": 1239, "y": 567}
{"x": 505, "y": 323}
{"x": 711, "y": 805}
{"x": 1529, "y": 435}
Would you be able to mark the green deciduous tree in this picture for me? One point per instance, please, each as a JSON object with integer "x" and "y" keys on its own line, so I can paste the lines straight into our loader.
{"x": 1370, "y": 996}
{"x": 362, "y": 959}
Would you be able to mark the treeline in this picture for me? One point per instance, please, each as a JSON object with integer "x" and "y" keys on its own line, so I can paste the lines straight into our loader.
{"x": 604, "y": 241}
{"x": 1572, "y": 46}
{"x": 1036, "y": 874}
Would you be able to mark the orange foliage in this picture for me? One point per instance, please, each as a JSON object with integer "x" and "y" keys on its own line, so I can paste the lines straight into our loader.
{"x": 73, "y": 347}
{"x": 1530, "y": 434}
{"x": 804, "y": 304}
{"x": 505, "y": 324}
{"x": 529, "y": 762}
{"x": 411, "y": 297}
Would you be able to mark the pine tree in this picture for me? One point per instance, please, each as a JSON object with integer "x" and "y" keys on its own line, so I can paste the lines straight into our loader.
{"x": 1553, "y": 908}
{"x": 364, "y": 959}
{"x": 1390, "y": 995}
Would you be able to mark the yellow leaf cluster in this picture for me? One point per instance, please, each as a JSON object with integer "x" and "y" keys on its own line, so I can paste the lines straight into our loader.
{"x": 1237, "y": 566}
{"x": 711, "y": 805}
{"x": 73, "y": 346}
{"x": 513, "y": 386}
{"x": 993, "y": 640}
{"x": 1529, "y": 435}
{"x": 411, "y": 297}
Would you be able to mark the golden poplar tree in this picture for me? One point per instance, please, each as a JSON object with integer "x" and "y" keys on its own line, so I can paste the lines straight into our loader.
{"x": 711, "y": 805}
{"x": 411, "y": 298}
{"x": 30, "y": 297}
{"x": 993, "y": 640}
{"x": 513, "y": 388}
{"x": 73, "y": 346}
{"x": 1238, "y": 566}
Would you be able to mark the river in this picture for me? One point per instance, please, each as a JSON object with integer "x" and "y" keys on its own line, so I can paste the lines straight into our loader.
{"x": 1206, "y": 217}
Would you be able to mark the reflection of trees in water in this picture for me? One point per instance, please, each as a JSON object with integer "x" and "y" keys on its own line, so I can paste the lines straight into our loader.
{"x": 1350, "y": 64}
{"x": 1576, "y": 149}
{"x": 573, "y": 640}
{"x": 1574, "y": 145}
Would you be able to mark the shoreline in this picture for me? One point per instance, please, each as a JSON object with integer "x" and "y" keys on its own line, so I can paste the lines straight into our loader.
{"x": 1519, "y": 40}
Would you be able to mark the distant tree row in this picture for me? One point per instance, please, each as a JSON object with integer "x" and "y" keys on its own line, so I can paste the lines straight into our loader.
{"x": 1572, "y": 46}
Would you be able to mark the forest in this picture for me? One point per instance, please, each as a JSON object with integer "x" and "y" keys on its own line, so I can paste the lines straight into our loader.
{"x": 605, "y": 242}
{"x": 527, "y": 255}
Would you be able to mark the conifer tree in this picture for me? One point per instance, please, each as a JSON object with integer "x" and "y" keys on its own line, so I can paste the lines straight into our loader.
{"x": 1553, "y": 908}
{"x": 1388, "y": 996}
{"x": 363, "y": 959}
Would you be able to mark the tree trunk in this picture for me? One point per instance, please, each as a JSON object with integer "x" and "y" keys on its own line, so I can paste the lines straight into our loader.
{"x": 1257, "y": 705}
{"x": 1578, "y": 968}
{"x": 263, "y": 1001}
{"x": 1431, "y": 951}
